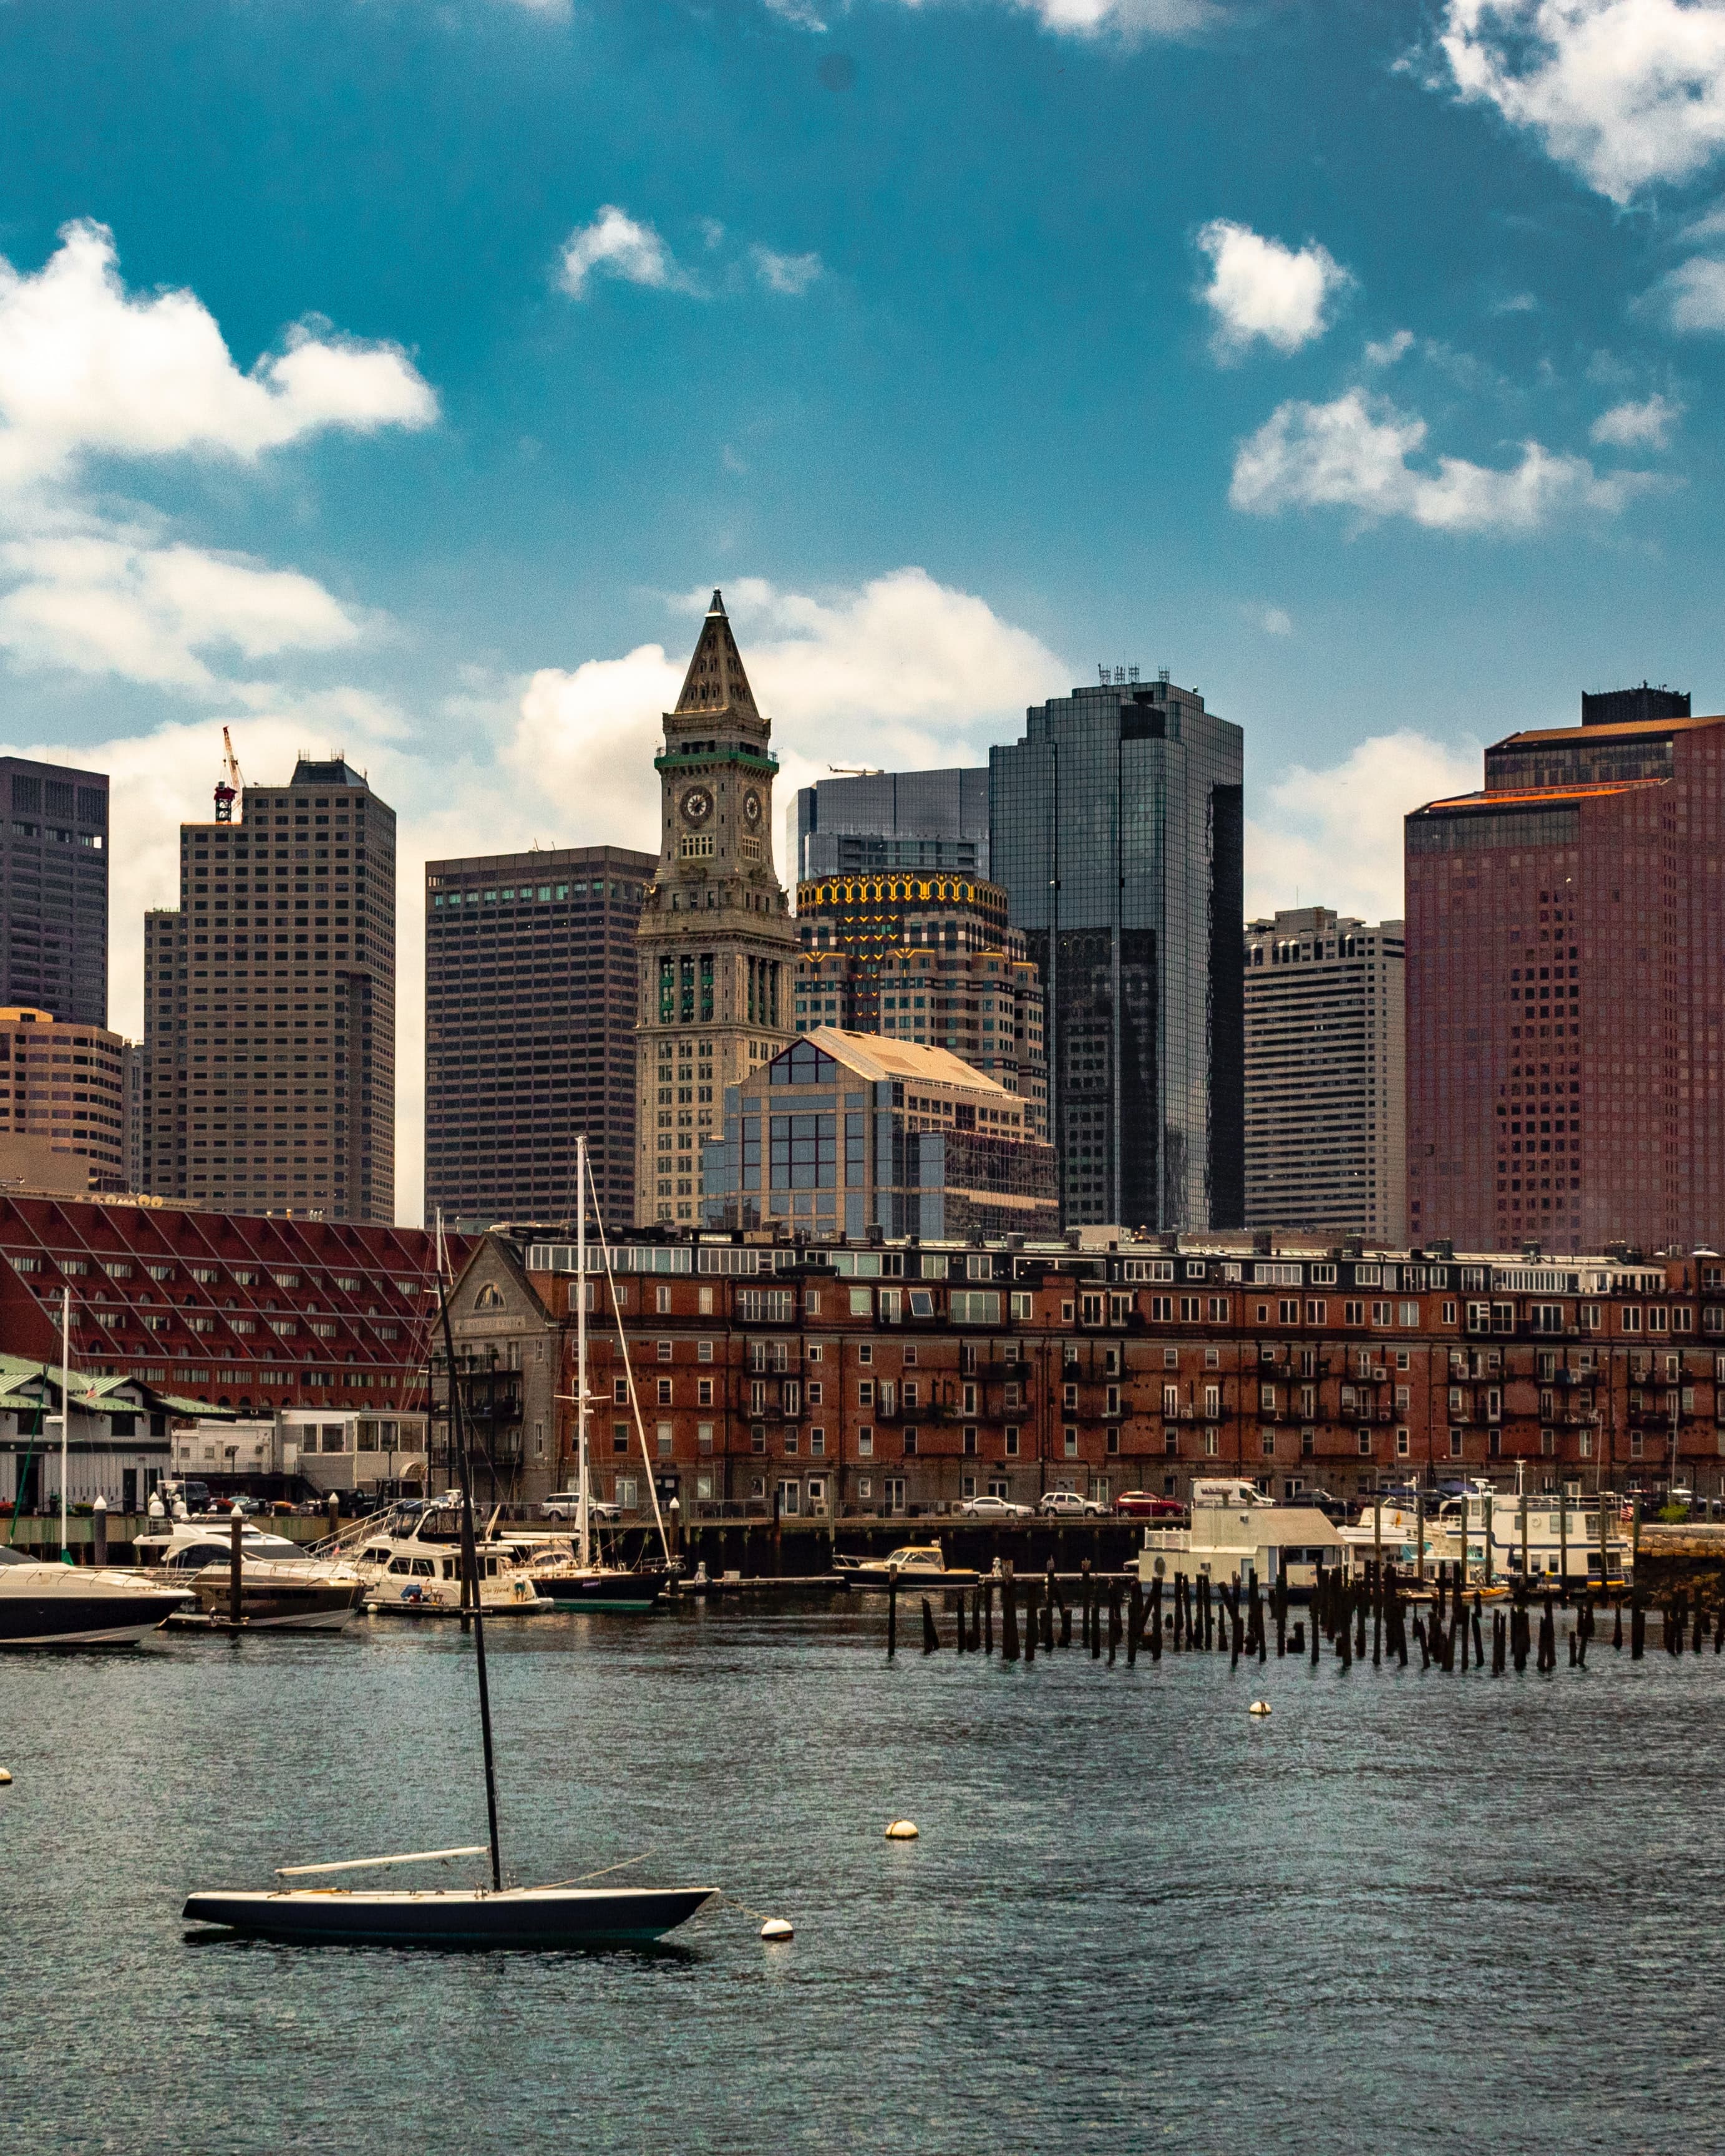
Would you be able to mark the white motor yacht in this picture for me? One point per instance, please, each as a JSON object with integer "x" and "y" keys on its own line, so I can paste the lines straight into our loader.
{"x": 283, "y": 1587}
{"x": 44, "y": 1605}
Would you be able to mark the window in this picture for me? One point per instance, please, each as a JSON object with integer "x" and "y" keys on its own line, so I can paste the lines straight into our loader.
{"x": 971, "y": 1306}
{"x": 1070, "y": 1440}
{"x": 665, "y": 1391}
{"x": 1365, "y": 1443}
{"x": 619, "y": 1437}
{"x": 1454, "y": 1445}
{"x": 865, "y": 1442}
{"x": 1024, "y": 1308}
{"x": 910, "y": 1443}
{"x": 663, "y": 1435}
{"x": 1011, "y": 1442}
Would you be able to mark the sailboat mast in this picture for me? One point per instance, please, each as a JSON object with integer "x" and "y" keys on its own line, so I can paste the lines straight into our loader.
{"x": 581, "y": 1514}
{"x": 65, "y": 1410}
{"x": 469, "y": 1560}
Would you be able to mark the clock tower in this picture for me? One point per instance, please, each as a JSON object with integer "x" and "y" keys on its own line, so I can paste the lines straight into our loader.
{"x": 718, "y": 951}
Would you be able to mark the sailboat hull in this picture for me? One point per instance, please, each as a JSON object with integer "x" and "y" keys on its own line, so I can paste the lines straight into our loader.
{"x": 535, "y": 1916}
{"x": 603, "y": 1590}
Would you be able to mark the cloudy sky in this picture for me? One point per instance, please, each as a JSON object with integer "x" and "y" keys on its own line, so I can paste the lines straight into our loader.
{"x": 398, "y": 376}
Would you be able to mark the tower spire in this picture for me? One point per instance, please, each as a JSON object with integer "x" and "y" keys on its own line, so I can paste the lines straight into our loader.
{"x": 716, "y": 680}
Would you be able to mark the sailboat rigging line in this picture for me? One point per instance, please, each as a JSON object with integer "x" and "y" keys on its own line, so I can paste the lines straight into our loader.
{"x": 603, "y": 1872}
{"x": 634, "y": 1398}
{"x": 470, "y": 1563}
{"x": 23, "y": 1472}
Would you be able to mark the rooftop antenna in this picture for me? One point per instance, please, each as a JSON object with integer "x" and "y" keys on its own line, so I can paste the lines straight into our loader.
{"x": 230, "y": 783}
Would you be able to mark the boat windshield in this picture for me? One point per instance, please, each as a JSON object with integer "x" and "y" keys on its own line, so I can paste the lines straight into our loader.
{"x": 14, "y": 1556}
{"x": 926, "y": 1559}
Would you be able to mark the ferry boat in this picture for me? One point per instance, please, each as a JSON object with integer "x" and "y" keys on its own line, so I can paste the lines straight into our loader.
{"x": 1557, "y": 1527}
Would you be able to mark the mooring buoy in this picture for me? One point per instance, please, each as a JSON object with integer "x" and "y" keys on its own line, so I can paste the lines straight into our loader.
{"x": 4, "y": 1777}
{"x": 902, "y": 1830}
{"x": 1259, "y": 1706}
{"x": 776, "y": 1927}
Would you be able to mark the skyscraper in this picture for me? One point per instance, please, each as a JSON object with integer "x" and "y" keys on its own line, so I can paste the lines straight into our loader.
{"x": 1566, "y": 988}
{"x": 1326, "y": 1131}
{"x": 894, "y": 819}
{"x": 530, "y": 1032}
{"x": 1115, "y": 827}
{"x": 718, "y": 945}
{"x": 927, "y": 957}
{"x": 270, "y": 1005}
{"x": 53, "y": 889}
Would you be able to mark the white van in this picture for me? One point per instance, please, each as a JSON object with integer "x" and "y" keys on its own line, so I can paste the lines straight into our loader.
{"x": 1222, "y": 1490}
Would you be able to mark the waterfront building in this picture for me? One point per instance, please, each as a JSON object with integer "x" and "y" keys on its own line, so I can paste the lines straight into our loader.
{"x": 927, "y": 958}
{"x": 1116, "y": 830}
{"x": 1326, "y": 1131}
{"x": 882, "y": 821}
{"x": 270, "y": 1005}
{"x": 717, "y": 947}
{"x": 805, "y": 1372}
{"x": 53, "y": 889}
{"x": 62, "y": 1084}
{"x": 1566, "y": 987}
{"x": 530, "y": 1032}
{"x": 223, "y": 1311}
{"x": 847, "y": 1133}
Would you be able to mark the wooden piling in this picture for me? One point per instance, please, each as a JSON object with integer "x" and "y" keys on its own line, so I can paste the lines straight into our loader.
{"x": 236, "y": 1528}
{"x": 1008, "y": 1614}
{"x": 1084, "y": 1590}
{"x": 931, "y": 1638}
{"x": 1638, "y": 1628}
{"x": 961, "y": 1642}
{"x": 1032, "y": 1620}
{"x": 1134, "y": 1622}
{"x": 1479, "y": 1644}
{"x": 1154, "y": 1621}
{"x": 891, "y": 1611}
{"x": 1316, "y": 1627}
{"x": 988, "y": 1593}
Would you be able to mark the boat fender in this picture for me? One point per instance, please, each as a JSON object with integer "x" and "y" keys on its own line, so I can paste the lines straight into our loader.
{"x": 776, "y": 1927}
{"x": 902, "y": 1829}
{"x": 1259, "y": 1707}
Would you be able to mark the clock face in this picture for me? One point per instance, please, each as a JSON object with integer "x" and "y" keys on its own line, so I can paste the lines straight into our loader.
{"x": 697, "y": 805}
{"x": 752, "y": 808}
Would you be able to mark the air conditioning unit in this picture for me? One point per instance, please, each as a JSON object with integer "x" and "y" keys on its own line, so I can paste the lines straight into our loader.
{"x": 1379, "y": 1375}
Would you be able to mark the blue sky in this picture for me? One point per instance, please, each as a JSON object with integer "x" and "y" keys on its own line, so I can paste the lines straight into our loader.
{"x": 400, "y": 378}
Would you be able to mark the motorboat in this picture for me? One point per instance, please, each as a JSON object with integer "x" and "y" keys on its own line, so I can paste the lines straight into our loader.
{"x": 567, "y": 1913}
{"x": 918, "y": 1564}
{"x": 283, "y": 1587}
{"x": 417, "y": 1573}
{"x": 1237, "y": 1542}
{"x": 44, "y": 1605}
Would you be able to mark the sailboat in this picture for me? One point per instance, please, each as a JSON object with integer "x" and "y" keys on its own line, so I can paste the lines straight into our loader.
{"x": 567, "y": 1913}
{"x": 580, "y": 1581}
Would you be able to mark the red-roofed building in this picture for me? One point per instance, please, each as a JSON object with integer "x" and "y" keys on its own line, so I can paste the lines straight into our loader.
{"x": 1566, "y": 988}
{"x": 244, "y": 1312}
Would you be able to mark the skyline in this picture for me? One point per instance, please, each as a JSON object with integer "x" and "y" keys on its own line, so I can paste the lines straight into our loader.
{"x": 401, "y": 382}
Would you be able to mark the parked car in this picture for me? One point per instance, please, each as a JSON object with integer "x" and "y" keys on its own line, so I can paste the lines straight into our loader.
{"x": 994, "y": 1508}
{"x": 1068, "y": 1504}
{"x": 565, "y": 1504}
{"x": 1146, "y": 1505}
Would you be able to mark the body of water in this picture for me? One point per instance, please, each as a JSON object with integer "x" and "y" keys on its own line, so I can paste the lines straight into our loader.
{"x": 1407, "y": 1912}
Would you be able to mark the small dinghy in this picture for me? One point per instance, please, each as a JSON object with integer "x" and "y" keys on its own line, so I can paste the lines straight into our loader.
{"x": 567, "y": 1913}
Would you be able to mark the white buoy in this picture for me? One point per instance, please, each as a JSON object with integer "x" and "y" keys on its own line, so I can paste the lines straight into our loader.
{"x": 4, "y": 1777}
{"x": 1259, "y": 1706}
{"x": 902, "y": 1830}
{"x": 776, "y": 1927}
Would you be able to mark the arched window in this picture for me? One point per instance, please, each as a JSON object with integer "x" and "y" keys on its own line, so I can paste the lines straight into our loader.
{"x": 490, "y": 1297}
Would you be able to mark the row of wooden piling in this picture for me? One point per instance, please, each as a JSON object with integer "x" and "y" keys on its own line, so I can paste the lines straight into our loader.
{"x": 1447, "y": 1629}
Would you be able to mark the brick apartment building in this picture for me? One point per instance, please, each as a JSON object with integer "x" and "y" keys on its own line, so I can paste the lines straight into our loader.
{"x": 843, "y": 1379}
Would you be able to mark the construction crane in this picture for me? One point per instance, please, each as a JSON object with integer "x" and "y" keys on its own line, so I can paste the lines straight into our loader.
{"x": 854, "y": 770}
{"x": 228, "y": 785}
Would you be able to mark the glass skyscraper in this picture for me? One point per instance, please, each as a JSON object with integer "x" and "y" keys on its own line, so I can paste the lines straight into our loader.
{"x": 894, "y": 820}
{"x": 1116, "y": 827}
{"x": 53, "y": 889}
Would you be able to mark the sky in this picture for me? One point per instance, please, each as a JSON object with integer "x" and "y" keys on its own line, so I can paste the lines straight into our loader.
{"x": 398, "y": 379}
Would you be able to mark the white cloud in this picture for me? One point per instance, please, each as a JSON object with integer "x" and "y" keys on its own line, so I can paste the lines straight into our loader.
{"x": 1355, "y": 454}
{"x": 93, "y": 603}
{"x": 1517, "y": 303}
{"x": 1128, "y": 19}
{"x": 87, "y": 369}
{"x": 789, "y": 274}
{"x": 1390, "y": 349}
{"x": 1692, "y": 296}
{"x": 1625, "y": 93}
{"x": 615, "y": 244}
{"x": 1631, "y": 426}
{"x": 1258, "y": 288}
{"x": 1276, "y": 621}
{"x": 1333, "y": 837}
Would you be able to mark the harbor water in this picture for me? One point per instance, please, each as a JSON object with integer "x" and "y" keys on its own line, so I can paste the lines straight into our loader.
{"x": 1404, "y": 1913}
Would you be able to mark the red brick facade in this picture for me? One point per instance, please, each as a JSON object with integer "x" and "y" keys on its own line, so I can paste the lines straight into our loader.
{"x": 1021, "y": 1376}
